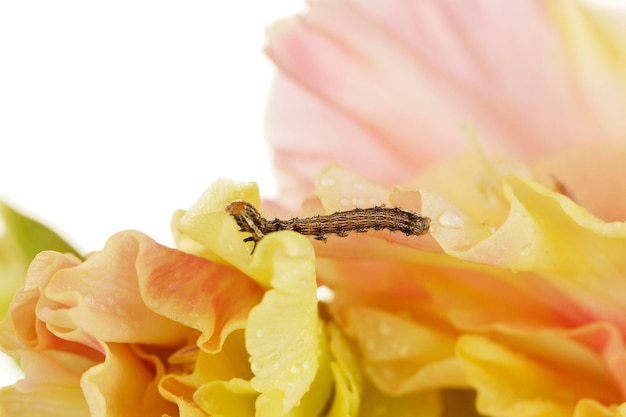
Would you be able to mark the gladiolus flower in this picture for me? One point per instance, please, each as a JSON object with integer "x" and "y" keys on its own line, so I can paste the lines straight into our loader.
{"x": 511, "y": 305}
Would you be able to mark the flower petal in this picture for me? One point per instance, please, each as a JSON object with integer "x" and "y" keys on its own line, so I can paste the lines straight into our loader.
{"x": 546, "y": 232}
{"x": 123, "y": 385}
{"x": 512, "y": 383}
{"x": 21, "y": 239}
{"x": 51, "y": 386}
{"x": 376, "y": 74}
{"x": 284, "y": 332}
{"x": 591, "y": 175}
{"x": 200, "y": 294}
{"x": 100, "y": 299}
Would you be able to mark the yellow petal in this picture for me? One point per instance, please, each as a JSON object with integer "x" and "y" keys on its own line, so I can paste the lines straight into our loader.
{"x": 347, "y": 375}
{"x": 511, "y": 383}
{"x": 208, "y": 224}
{"x": 401, "y": 355}
{"x": 284, "y": 331}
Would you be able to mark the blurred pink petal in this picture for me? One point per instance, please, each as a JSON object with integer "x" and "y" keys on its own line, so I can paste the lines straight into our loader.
{"x": 385, "y": 88}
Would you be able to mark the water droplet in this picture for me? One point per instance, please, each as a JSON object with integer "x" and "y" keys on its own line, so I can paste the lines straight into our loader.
{"x": 325, "y": 294}
{"x": 327, "y": 181}
{"x": 153, "y": 302}
{"x": 370, "y": 344}
{"x": 295, "y": 369}
{"x": 119, "y": 310}
{"x": 358, "y": 202}
{"x": 259, "y": 333}
{"x": 389, "y": 373}
{"x": 89, "y": 300}
{"x": 526, "y": 250}
{"x": 276, "y": 366}
{"x": 358, "y": 186}
{"x": 451, "y": 219}
{"x": 345, "y": 202}
{"x": 256, "y": 367}
{"x": 403, "y": 350}
{"x": 306, "y": 365}
{"x": 304, "y": 282}
{"x": 385, "y": 328}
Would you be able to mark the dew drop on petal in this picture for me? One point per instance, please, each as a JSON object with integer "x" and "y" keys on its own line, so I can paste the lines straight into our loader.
{"x": 276, "y": 366}
{"x": 259, "y": 333}
{"x": 325, "y": 294}
{"x": 327, "y": 181}
{"x": 450, "y": 219}
{"x": 89, "y": 300}
{"x": 119, "y": 310}
{"x": 403, "y": 350}
{"x": 370, "y": 344}
{"x": 345, "y": 202}
{"x": 526, "y": 250}
{"x": 358, "y": 202}
{"x": 295, "y": 369}
{"x": 358, "y": 186}
{"x": 384, "y": 328}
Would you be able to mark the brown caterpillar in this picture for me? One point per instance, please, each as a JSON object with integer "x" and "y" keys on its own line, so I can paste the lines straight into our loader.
{"x": 320, "y": 227}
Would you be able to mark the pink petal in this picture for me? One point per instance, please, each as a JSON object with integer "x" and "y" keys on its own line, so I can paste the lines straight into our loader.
{"x": 383, "y": 88}
{"x": 591, "y": 175}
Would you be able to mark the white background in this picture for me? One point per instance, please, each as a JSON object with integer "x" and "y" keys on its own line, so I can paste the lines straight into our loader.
{"x": 114, "y": 114}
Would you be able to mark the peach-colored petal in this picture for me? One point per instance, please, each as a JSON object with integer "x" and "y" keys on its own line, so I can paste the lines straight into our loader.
{"x": 21, "y": 239}
{"x": 21, "y": 327}
{"x": 51, "y": 386}
{"x": 100, "y": 299}
{"x": 121, "y": 386}
{"x": 397, "y": 80}
{"x": 212, "y": 298}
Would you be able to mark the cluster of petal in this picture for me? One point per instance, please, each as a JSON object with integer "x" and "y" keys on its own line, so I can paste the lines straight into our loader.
{"x": 101, "y": 337}
{"x": 141, "y": 329}
{"x": 514, "y": 302}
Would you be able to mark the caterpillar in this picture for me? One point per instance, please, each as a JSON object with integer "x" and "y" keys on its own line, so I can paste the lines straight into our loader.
{"x": 341, "y": 223}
